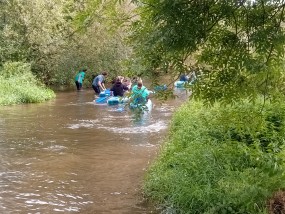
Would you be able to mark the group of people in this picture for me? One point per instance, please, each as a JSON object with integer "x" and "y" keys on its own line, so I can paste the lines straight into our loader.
{"x": 139, "y": 93}
{"x": 121, "y": 85}
{"x": 97, "y": 84}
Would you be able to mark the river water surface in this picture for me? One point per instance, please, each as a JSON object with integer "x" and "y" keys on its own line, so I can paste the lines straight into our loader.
{"x": 70, "y": 155}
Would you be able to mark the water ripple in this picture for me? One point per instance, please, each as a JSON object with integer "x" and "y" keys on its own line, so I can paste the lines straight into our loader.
{"x": 84, "y": 124}
{"x": 152, "y": 128}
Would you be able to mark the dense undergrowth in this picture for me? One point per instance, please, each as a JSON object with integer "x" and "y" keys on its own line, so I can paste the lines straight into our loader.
{"x": 220, "y": 160}
{"x": 18, "y": 85}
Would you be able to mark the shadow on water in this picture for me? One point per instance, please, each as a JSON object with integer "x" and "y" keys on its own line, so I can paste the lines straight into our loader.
{"x": 69, "y": 155}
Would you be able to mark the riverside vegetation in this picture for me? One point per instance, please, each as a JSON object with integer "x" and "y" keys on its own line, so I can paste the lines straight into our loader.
{"x": 223, "y": 159}
{"x": 18, "y": 85}
{"x": 227, "y": 155}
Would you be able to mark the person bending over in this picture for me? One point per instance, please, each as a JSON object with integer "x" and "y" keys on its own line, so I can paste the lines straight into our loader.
{"x": 98, "y": 83}
{"x": 79, "y": 78}
{"x": 119, "y": 88}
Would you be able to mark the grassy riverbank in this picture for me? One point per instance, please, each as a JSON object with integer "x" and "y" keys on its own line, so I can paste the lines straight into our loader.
{"x": 220, "y": 160}
{"x": 18, "y": 85}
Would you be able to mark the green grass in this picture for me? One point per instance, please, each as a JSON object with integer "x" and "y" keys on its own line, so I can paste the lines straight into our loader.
{"x": 18, "y": 85}
{"x": 219, "y": 160}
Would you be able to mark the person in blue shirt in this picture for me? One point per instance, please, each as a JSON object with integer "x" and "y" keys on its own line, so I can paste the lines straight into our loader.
{"x": 98, "y": 82}
{"x": 139, "y": 93}
{"x": 184, "y": 77}
{"x": 79, "y": 79}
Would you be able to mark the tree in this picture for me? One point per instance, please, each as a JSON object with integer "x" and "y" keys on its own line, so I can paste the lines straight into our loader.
{"x": 60, "y": 37}
{"x": 238, "y": 44}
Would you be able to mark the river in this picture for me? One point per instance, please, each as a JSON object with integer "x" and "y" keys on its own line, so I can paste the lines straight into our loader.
{"x": 70, "y": 155}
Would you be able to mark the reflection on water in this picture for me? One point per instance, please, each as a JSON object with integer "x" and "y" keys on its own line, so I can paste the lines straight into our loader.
{"x": 71, "y": 156}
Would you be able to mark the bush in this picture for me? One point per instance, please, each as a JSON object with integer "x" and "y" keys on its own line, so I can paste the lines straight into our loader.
{"x": 220, "y": 160}
{"x": 19, "y": 85}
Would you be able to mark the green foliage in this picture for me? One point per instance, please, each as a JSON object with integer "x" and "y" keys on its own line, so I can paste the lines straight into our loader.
{"x": 239, "y": 45}
{"x": 19, "y": 85}
{"x": 220, "y": 159}
{"x": 60, "y": 37}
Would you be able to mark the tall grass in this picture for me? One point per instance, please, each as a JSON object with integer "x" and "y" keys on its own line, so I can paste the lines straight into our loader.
{"x": 220, "y": 160}
{"x": 19, "y": 85}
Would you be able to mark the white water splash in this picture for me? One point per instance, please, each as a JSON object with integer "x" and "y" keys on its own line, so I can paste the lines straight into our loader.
{"x": 152, "y": 128}
{"x": 56, "y": 148}
{"x": 84, "y": 124}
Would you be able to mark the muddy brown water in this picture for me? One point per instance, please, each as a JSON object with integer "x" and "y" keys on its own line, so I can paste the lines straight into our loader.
{"x": 70, "y": 155}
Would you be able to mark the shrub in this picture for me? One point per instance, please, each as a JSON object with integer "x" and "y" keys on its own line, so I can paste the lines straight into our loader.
{"x": 19, "y": 85}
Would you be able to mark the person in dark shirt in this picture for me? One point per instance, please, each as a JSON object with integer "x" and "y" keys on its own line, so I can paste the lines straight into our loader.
{"x": 118, "y": 88}
{"x": 184, "y": 78}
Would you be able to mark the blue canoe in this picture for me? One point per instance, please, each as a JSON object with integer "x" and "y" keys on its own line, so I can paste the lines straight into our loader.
{"x": 117, "y": 100}
{"x": 103, "y": 96}
{"x": 180, "y": 84}
{"x": 105, "y": 93}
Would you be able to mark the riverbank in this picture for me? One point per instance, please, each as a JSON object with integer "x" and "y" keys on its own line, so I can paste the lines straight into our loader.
{"x": 220, "y": 160}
